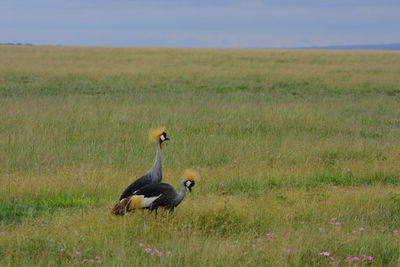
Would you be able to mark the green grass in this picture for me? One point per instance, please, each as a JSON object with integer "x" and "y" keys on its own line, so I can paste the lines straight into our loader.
{"x": 296, "y": 137}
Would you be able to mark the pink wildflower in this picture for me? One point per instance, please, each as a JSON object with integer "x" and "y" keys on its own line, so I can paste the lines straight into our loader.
{"x": 98, "y": 261}
{"x": 333, "y": 262}
{"x": 370, "y": 258}
{"x": 367, "y": 258}
{"x": 78, "y": 251}
{"x": 361, "y": 229}
{"x": 253, "y": 245}
{"x": 148, "y": 250}
{"x": 396, "y": 231}
{"x": 169, "y": 253}
{"x": 288, "y": 251}
{"x": 325, "y": 253}
{"x": 221, "y": 184}
{"x": 334, "y": 222}
{"x": 85, "y": 260}
{"x": 268, "y": 234}
{"x": 159, "y": 253}
{"x": 351, "y": 259}
{"x": 382, "y": 230}
{"x": 260, "y": 239}
{"x": 140, "y": 244}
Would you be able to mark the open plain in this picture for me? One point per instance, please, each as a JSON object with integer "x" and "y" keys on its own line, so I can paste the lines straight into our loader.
{"x": 298, "y": 152}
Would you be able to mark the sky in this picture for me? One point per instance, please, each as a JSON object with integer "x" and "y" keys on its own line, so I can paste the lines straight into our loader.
{"x": 206, "y": 23}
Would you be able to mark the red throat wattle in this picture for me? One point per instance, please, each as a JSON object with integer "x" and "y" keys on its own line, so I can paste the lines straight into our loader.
{"x": 160, "y": 145}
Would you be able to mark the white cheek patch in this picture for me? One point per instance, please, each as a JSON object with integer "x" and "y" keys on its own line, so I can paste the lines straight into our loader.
{"x": 162, "y": 137}
{"x": 188, "y": 183}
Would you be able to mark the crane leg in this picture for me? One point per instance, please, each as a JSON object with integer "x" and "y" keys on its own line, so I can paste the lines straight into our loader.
{"x": 144, "y": 219}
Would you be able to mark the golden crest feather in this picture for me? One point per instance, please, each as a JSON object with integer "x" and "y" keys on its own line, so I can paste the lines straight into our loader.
{"x": 155, "y": 133}
{"x": 190, "y": 175}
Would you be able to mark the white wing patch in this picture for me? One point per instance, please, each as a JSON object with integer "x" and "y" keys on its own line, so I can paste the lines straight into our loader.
{"x": 147, "y": 201}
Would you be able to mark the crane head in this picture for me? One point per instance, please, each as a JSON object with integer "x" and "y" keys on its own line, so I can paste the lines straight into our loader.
{"x": 163, "y": 137}
{"x": 190, "y": 176}
{"x": 159, "y": 135}
{"x": 189, "y": 184}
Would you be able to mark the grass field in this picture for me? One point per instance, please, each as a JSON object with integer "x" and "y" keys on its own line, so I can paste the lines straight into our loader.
{"x": 298, "y": 151}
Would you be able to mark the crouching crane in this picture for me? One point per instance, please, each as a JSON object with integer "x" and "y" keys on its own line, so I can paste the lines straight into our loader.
{"x": 154, "y": 196}
{"x": 154, "y": 175}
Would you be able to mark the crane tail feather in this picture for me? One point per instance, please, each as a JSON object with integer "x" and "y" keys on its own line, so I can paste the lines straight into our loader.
{"x": 121, "y": 207}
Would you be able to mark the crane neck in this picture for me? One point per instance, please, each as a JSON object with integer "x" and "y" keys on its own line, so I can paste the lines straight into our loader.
{"x": 181, "y": 195}
{"x": 155, "y": 171}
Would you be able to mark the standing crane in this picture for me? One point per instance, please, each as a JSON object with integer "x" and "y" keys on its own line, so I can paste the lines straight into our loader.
{"x": 154, "y": 175}
{"x": 154, "y": 196}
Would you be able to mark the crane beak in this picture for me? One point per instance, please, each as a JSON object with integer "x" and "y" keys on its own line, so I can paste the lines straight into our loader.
{"x": 166, "y": 138}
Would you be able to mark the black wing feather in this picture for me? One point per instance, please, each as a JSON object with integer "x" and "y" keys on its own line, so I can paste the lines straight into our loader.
{"x": 165, "y": 192}
{"x": 162, "y": 201}
{"x": 136, "y": 185}
{"x": 153, "y": 190}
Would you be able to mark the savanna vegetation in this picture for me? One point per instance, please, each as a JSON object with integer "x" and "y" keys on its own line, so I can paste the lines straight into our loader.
{"x": 298, "y": 152}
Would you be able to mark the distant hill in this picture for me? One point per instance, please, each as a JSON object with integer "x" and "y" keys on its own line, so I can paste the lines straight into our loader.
{"x": 354, "y": 47}
{"x": 15, "y": 44}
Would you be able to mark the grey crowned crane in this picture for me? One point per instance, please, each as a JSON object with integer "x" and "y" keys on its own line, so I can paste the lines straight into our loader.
{"x": 154, "y": 196}
{"x": 154, "y": 175}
